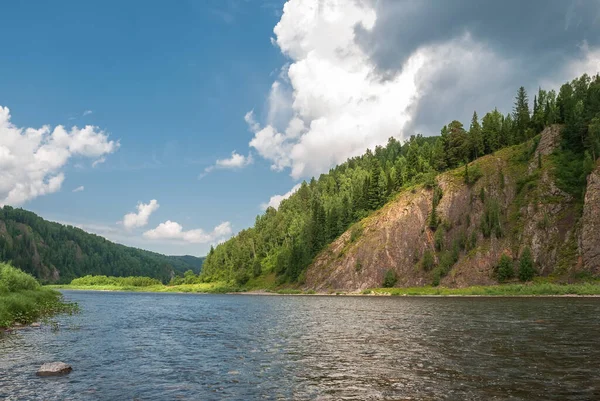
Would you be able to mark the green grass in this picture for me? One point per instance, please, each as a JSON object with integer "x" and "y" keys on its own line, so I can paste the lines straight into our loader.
{"x": 215, "y": 287}
{"x": 530, "y": 289}
{"x": 540, "y": 286}
{"x": 24, "y": 301}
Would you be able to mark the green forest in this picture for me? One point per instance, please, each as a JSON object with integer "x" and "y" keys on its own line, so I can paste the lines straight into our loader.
{"x": 55, "y": 253}
{"x": 285, "y": 241}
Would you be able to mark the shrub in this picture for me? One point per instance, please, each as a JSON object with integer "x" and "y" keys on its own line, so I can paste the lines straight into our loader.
{"x": 437, "y": 276}
{"x": 132, "y": 281}
{"x": 24, "y": 301}
{"x": 355, "y": 233}
{"x": 256, "y": 268}
{"x": 390, "y": 279}
{"x": 505, "y": 270}
{"x": 473, "y": 240}
{"x": 526, "y": 269}
{"x": 428, "y": 260}
{"x": 242, "y": 277}
{"x": 490, "y": 221}
{"x": 433, "y": 220}
{"x": 438, "y": 239}
{"x": 472, "y": 174}
{"x": 358, "y": 266}
{"x": 13, "y": 280}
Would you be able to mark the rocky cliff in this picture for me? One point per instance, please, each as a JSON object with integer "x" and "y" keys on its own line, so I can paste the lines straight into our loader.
{"x": 501, "y": 204}
{"x": 590, "y": 233}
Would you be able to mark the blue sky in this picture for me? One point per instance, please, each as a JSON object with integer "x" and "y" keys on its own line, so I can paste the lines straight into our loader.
{"x": 171, "y": 90}
{"x": 171, "y": 81}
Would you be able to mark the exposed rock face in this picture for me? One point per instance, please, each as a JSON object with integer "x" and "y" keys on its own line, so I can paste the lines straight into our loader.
{"x": 392, "y": 238}
{"x": 54, "y": 369}
{"x": 534, "y": 213}
{"x": 590, "y": 233}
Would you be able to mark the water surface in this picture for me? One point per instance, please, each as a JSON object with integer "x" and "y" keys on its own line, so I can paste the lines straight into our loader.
{"x": 136, "y": 346}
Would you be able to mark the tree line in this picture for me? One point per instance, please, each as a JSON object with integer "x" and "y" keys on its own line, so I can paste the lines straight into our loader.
{"x": 286, "y": 240}
{"x": 37, "y": 247}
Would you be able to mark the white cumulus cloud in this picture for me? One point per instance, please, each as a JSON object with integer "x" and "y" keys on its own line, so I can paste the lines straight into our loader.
{"x": 87, "y": 113}
{"x": 140, "y": 219}
{"x": 172, "y": 230}
{"x": 79, "y": 189}
{"x": 32, "y": 160}
{"x": 236, "y": 161}
{"x": 335, "y": 102}
{"x": 275, "y": 200}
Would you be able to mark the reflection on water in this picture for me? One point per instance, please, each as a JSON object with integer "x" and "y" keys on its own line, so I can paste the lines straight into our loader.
{"x": 126, "y": 346}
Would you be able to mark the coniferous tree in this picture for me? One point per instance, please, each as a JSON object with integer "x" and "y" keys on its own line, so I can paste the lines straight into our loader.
{"x": 475, "y": 138}
{"x": 521, "y": 114}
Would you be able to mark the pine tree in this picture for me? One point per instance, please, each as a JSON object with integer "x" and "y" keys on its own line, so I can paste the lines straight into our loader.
{"x": 375, "y": 196}
{"x": 526, "y": 269}
{"x": 475, "y": 138}
{"x": 491, "y": 131}
{"x": 521, "y": 114}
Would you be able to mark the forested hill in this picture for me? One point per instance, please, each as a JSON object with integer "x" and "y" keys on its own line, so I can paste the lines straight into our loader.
{"x": 56, "y": 253}
{"x": 284, "y": 242}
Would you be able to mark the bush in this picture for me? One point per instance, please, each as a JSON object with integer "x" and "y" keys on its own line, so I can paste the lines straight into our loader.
{"x": 473, "y": 240}
{"x": 490, "y": 221}
{"x": 132, "y": 281}
{"x": 242, "y": 277}
{"x": 526, "y": 269}
{"x": 438, "y": 239}
{"x": 13, "y": 280}
{"x": 472, "y": 174}
{"x": 428, "y": 260}
{"x": 390, "y": 279}
{"x": 256, "y": 268}
{"x": 505, "y": 270}
{"x": 23, "y": 300}
{"x": 355, "y": 233}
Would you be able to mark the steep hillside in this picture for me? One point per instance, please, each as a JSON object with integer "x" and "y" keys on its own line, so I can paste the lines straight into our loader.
{"x": 500, "y": 201}
{"x": 55, "y": 253}
{"x": 510, "y": 203}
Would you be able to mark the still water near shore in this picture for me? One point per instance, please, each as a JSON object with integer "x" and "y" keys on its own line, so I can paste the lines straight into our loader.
{"x": 126, "y": 346}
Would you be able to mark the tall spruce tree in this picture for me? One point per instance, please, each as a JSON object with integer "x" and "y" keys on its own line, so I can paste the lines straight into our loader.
{"x": 475, "y": 138}
{"x": 521, "y": 114}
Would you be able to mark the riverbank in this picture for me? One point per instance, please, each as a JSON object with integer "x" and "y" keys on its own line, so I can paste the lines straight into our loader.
{"x": 528, "y": 289}
{"x": 23, "y": 301}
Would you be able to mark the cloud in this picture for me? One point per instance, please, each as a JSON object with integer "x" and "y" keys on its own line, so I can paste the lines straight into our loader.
{"x": 140, "y": 219}
{"x": 236, "y": 161}
{"x": 360, "y": 72}
{"x": 275, "y": 200}
{"x": 79, "y": 189}
{"x": 87, "y": 113}
{"x": 171, "y": 230}
{"x": 32, "y": 160}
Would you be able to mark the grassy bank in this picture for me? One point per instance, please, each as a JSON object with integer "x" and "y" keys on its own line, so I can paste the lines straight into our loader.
{"x": 529, "y": 289}
{"x": 24, "y": 301}
{"x": 103, "y": 283}
{"x": 141, "y": 284}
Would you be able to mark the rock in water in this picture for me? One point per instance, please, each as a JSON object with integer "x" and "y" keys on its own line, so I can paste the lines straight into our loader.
{"x": 54, "y": 369}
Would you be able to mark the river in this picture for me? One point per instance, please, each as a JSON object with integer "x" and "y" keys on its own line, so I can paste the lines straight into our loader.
{"x": 139, "y": 346}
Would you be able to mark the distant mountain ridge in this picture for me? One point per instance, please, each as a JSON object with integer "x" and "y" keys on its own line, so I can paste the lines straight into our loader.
{"x": 55, "y": 253}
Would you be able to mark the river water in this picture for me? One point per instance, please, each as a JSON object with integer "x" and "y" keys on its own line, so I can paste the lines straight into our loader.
{"x": 136, "y": 346}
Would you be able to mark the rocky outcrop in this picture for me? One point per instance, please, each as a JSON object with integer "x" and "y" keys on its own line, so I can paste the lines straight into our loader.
{"x": 392, "y": 238}
{"x": 533, "y": 213}
{"x": 590, "y": 232}
{"x": 54, "y": 369}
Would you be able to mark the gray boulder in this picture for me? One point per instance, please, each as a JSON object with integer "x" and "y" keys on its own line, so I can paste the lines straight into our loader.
{"x": 54, "y": 369}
